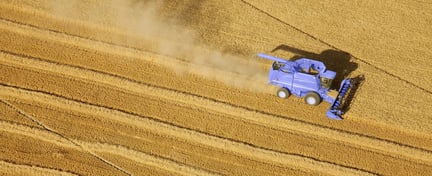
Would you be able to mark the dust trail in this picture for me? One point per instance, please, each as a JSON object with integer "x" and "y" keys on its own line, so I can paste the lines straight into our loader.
{"x": 167, "y": 36}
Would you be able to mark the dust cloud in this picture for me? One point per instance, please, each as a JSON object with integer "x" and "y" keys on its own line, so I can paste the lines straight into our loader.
{"x": 168, "y": 36}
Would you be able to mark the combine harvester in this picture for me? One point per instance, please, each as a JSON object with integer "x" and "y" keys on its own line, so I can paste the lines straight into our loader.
{"x": 309, "y": 79}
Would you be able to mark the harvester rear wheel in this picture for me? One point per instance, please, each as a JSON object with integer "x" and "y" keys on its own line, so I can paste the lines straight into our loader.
{"x": 283, "y": 93}
{"x": 312, "y": 98}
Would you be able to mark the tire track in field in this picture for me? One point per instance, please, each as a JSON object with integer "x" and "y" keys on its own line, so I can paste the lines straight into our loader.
{"x": 173, "y": 96}
{"x": 334, "y": 47}
{"x": 202, "y": 102}
{"x": 245, "y": 107}
{"x": 274, "y": 169}
{"x": 64, "y": 137}
{"x": 153, "y": 91}
{"x": 180, "y": 132}
{"x": 323, "y": 125}
{"x": 120, "y": 131}
{"x": 35, "y": 151}
{"x": 9, "y": 114}
{"x": 136, "y": 156}
{"x": 296, "y": 155}
{"x": 8, "y": 167}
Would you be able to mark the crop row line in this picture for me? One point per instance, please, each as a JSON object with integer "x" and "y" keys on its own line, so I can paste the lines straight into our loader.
{"x": 197, "y": 136}
{"x": 201, "y": 97}
{"x": 65, "y": 71}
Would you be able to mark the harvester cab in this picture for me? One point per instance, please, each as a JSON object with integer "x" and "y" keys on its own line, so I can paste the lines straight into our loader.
{"x": 309, "y": 79}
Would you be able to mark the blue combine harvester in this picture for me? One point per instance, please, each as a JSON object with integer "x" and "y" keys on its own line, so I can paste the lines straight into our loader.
{"x": 309, "y": 79}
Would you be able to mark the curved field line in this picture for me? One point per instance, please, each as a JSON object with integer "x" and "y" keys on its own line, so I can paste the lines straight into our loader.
{"x": 216, "y": 105}
{"x": 196, "y": 137}
{"x": 12, "y": 168}
{"x": 139, "y": 88}
{"x": 200, "y": 103}
{"x": 174, "y": 166}
{"x": 221, "y": 145}
{"x": 228, "y": 139}
{"x": 99, "y": 147}
{"x": 154, "y": 91}
{"x": 170, "y": 64}
{"x": 238, "y": 163}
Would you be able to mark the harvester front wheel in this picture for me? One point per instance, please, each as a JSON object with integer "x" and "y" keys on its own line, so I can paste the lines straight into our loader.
{"x": 283, "y": 93}
{"x": 312, "y": 98}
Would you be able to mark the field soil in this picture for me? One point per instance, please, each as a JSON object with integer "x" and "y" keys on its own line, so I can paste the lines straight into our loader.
{"x": 146, "y": 87}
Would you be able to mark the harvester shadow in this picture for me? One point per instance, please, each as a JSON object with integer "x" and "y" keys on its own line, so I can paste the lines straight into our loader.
{"x": 335, "y": 60}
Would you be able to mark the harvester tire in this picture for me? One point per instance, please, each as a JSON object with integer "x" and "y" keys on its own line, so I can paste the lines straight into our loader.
{"x": 312, "y": 98}
{"x": 283, "y": 93}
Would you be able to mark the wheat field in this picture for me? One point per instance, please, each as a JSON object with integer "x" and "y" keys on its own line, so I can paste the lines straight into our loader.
{"x": 146, "y": 87}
